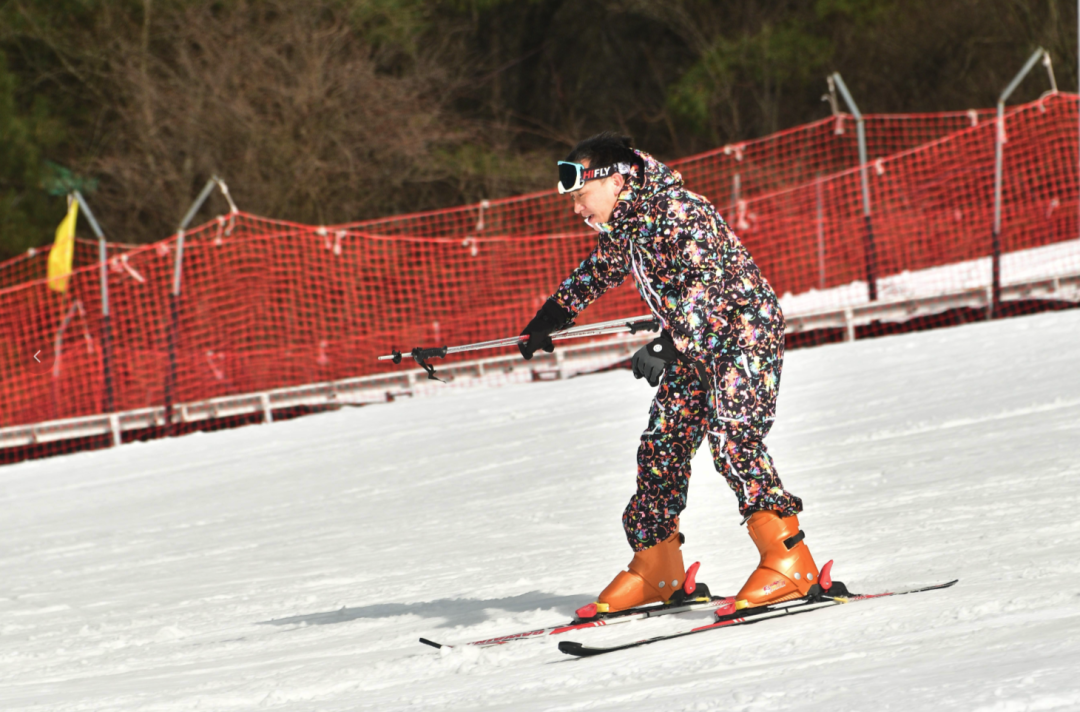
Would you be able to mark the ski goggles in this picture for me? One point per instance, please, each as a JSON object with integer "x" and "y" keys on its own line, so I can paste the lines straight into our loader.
{"x": 573, "y": 176}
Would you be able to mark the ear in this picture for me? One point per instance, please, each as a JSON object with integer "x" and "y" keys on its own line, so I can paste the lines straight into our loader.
{"x": 619, "y": 182}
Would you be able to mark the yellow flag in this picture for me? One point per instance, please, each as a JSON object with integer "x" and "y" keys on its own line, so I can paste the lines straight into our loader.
{"x": 63, "y": 250}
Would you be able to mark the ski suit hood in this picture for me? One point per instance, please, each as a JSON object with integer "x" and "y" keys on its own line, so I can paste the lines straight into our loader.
{"x": 648, "y": 178}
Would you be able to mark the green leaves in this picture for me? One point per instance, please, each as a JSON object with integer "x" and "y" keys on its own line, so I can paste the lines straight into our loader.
{"x": 861, "y": 12}
{"x": 392, "y": 24}
{"x": 769, "y": 63}
{"x": 57, "y": 180}
{"x": 337, "y": 110}
{"x": 26, "y": 134}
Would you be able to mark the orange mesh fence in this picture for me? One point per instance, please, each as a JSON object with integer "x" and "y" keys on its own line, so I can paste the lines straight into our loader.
{"x": 267, "y": 304}
{"x": 33, "y": 264}
{"x": 931, "y": 216}
{"x": 725, "y": 175}
{"x": 731, "y": 173}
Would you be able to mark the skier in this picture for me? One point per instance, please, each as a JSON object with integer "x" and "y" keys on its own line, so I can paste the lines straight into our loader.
{"x": 716, "y": 364}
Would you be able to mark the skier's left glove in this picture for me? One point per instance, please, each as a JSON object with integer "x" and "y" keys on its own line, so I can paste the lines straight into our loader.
{"x": 551, "y": 317}
{"x": 651, "y": 359}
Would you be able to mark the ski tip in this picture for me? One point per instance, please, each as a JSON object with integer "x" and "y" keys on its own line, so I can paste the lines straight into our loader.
{"x": 432, "y": 643}
{"x": 570, "y": 647}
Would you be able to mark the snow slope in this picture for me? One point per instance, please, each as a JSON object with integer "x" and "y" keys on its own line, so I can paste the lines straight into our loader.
{"x": 294, "y": 565}
{"x": 1059, "y": 259}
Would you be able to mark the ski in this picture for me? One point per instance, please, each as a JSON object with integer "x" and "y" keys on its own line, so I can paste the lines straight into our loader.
{"x": 753, "y": 615}
{"x": 602, "y": 619}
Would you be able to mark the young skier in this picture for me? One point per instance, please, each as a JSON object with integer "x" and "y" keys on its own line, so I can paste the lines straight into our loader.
{"x": 717, "y": 364}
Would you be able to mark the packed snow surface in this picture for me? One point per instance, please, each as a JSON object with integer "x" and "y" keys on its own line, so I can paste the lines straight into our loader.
{"x": 1060, "y": 259}
{"x": 295, "y": 565}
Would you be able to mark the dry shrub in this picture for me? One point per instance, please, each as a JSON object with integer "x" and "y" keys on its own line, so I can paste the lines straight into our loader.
{"x": 286, "y": 102}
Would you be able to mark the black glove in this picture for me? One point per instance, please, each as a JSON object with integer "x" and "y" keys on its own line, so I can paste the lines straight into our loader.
{"x": 651, "y": 359}
{"x": 550, "y": 318}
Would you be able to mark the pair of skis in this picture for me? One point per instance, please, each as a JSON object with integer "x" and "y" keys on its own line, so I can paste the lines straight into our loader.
{"x": 727, "y": 616}
{"x": 703, "y": 602}
{"x": 752, "y": 615}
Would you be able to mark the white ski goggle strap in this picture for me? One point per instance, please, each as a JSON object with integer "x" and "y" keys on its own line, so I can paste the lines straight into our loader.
{"x": 573, "y": 176}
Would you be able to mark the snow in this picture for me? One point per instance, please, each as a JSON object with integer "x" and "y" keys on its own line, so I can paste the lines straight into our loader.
{"x": 1060, "y": 259}
{"x": 295, "y": 565}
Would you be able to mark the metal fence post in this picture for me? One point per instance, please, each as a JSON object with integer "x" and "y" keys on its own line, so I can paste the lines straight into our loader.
{"x": 106, "y": 325}
{"x": 999, "y": 159}
{"x": 820, "y": 231}
{"x": 869, "y": 247}
{"x": 174, "y": 299}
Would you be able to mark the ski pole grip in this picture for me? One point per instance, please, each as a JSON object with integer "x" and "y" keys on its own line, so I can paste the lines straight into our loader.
{"x": 424, "y": 354}
{"x": 636, "y": 326}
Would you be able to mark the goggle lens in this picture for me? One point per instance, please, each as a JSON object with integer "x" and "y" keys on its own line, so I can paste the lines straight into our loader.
{"x": 570, "y": 176}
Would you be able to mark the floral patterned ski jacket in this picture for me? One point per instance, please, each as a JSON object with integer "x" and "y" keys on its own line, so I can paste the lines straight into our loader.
{"x": 690, "y": 268}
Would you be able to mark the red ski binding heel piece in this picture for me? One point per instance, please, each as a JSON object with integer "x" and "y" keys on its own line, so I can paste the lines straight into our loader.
{"x": 825, "y": 577}
{"x": 691, "y": 578}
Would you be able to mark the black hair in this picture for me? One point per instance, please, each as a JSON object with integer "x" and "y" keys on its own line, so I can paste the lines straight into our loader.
{"x": 604, "y": 149}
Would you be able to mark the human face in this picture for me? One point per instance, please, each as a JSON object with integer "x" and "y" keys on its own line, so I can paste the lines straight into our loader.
{"x": 596, "y": 200}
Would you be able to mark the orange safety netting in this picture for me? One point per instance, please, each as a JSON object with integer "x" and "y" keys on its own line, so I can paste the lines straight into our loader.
{"x": 726, "y": 175}
{"x": 267, "y": 304}
{"x": 33, "y": 264}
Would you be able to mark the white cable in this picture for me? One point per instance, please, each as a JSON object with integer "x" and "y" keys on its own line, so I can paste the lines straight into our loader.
{"x": 646, "y": 288}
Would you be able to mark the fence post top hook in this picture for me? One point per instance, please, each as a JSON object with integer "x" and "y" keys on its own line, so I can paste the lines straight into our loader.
{"x": 1049, "y": 64}
{"x": 1037, "y": 55}
{"x": 839, "y": 82}
{"x": 225, "y": 191}
{"x": 830, "y": 96}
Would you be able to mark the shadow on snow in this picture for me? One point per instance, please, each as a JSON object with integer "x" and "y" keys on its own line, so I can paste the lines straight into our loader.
{"x": 456, "y": 611}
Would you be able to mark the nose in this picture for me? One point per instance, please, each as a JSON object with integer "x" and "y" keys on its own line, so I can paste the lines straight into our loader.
{"x": 578, "y": 207}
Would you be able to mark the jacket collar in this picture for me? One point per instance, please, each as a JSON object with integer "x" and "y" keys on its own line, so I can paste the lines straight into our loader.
{"x": 648, "y": 178}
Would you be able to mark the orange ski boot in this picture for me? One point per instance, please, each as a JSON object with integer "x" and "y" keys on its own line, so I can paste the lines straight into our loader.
{"x": 655, "y": 575}
{"x": 786, "y": 571}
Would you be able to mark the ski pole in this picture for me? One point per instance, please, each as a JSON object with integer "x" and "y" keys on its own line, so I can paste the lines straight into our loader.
{"x": 616, "y": 326}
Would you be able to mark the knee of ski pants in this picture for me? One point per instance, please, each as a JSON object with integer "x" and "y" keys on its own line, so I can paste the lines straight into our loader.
{"x": 660, "y": 454}
{"x": 732, "y": 437}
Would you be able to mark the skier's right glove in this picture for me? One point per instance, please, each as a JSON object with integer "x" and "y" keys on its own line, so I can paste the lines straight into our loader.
{"x": 651, "y": 359}
{"x": 551, "y": 317}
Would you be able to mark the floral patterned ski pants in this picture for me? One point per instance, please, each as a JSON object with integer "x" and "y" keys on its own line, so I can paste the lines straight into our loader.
{"x": 735, "y": 411}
